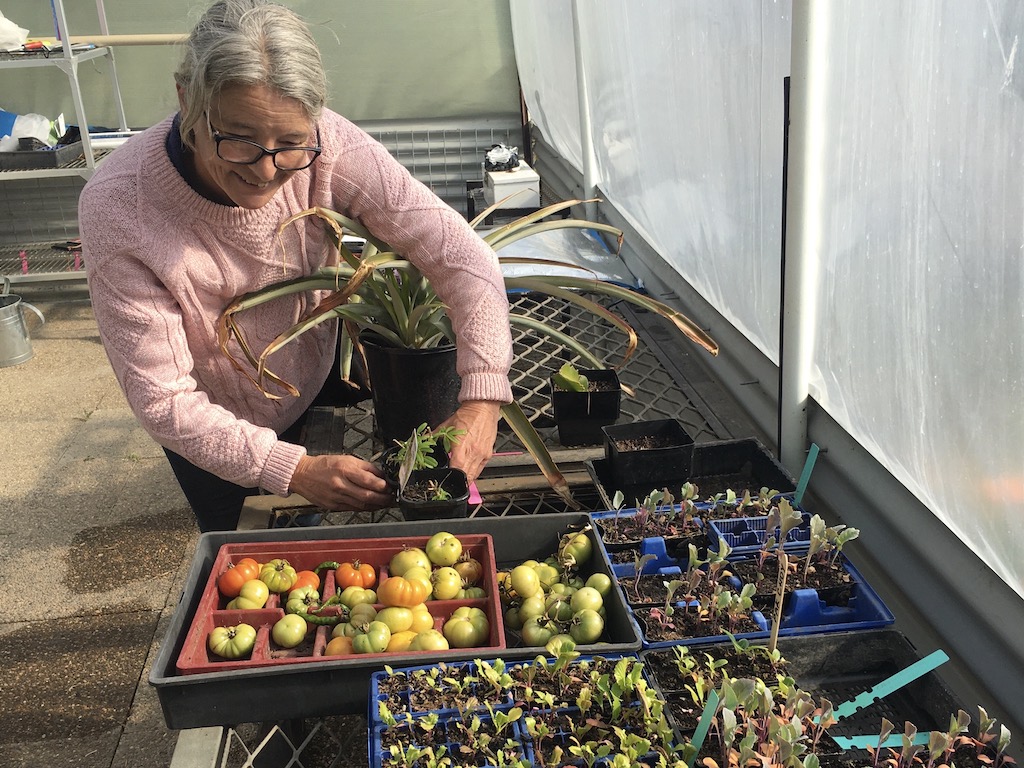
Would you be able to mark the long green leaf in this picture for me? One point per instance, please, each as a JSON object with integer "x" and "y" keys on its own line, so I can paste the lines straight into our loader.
{"x": 562, "y": 339}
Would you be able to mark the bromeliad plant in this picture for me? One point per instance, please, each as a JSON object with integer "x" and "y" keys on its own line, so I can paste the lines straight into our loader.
{"x": 380, "y": 291}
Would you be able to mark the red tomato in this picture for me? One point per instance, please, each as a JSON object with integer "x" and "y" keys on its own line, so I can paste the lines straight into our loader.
{"x": 306, "y": 579}
{"x": 355, "y": 574}
{"x": 230, "y": 582}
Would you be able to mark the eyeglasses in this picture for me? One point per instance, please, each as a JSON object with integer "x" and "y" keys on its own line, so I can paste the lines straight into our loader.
{"x": 245, "y": 152}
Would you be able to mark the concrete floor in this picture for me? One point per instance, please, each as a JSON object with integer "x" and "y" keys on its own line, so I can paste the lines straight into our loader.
{"x": 96, "y": 540}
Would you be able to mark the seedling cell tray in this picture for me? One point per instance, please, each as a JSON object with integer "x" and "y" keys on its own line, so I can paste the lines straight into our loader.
{"x": 319, "y": 687}
{"x": 842, "y": 665}
{"x": 717, "y": 466}
{"x": 748, "y": 534}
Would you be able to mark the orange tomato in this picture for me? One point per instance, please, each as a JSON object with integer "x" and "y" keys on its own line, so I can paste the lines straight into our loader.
{"x": 230, "y": 582}
{"x": 306, "y": 579}
{"x": 339, "y": 646}
{"x": 402, "y": 592}
{"x": 355, "y": 574}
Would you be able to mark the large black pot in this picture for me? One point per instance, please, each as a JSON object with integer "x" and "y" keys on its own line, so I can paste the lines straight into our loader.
{"x": 410, "y": 386}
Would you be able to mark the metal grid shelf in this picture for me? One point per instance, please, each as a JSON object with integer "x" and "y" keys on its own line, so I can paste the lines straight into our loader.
{"x": 40, "y": 261}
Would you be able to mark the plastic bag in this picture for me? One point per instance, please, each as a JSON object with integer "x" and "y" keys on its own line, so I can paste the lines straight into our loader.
{"x": 34, "y": 126}
{"x": 501, "y": 158}
{"x": 11, "y": 35}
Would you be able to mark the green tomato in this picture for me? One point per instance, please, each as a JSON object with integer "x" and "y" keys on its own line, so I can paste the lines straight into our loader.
{"x": 602, "y": 582}
{"x": 586, "y": 626}
{"x": 512, "y": 620}
{"x": 558, "y": 607}
{"x": 445, "y": 583}
{"x": 406, "y": 559}
{"x": 232, "y": 642}
{"x": 531, "y": 606}
{"x": 547, "y": 574}
{"x": 353, "y": 596}
{"x": 561, "y": 588}
{"x": 443, "y": 548}
{"x": 577, "y": 546}
{"x": 398, "y": 619}
{"x": 241, "y": 604}
{"x": 429, "y": 640}
{"x": 586, "y": 597}
{"x": 278, "y": 575}
{"x": 372, "y": 638}
{"x": 289, "y": 631}
{"x": 467, "y": 628}
{"x": 471, "y": 593}
{"x": 255, "y": 591}
{"x": 539, "y": 630}
{"x": 307, "y": 593}
{"x": 525, "y": 580}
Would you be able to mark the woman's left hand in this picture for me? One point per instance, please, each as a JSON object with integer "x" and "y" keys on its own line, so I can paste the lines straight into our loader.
{"x": 479, "y": 419}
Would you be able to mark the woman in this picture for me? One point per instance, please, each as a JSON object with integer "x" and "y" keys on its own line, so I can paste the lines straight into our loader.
{"x": 183, "y": 218}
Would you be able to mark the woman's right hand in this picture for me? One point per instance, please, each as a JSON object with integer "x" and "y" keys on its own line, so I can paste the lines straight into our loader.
{"x": 340, "y": 483}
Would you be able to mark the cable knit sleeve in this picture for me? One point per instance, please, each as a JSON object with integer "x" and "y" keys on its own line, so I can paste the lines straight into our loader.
{"x": 463, "y": 269}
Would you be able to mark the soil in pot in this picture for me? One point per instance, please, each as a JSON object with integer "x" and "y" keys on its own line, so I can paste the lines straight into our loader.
{"x": 466, "y": 747}
{"x": 687, "y": 622}
{"x": 665, "y": 666}
{"x": 433, "y": 494}
{"x": 834, "y": 585}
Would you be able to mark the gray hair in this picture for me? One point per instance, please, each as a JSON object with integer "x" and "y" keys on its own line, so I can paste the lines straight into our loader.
{"x": 249, "y": 42}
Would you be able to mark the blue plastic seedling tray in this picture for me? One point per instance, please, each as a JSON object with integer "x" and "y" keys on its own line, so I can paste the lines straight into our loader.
{"x": 748, "y": 534}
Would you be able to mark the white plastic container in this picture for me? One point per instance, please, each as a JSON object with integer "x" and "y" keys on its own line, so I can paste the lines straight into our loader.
{"x": 523, "y": 183}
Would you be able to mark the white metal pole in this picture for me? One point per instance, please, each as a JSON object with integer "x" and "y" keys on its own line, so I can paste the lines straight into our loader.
{"x": 586, "y": 137}
{"x": 808, "y": 77}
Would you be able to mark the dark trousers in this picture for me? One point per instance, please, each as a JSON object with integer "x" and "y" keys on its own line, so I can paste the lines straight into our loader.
{"x": 217, "y": 503}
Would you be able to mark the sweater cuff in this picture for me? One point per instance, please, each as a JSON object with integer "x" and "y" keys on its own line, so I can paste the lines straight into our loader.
{"x": 486, "y": 386}
{"x": 277, "y": 473}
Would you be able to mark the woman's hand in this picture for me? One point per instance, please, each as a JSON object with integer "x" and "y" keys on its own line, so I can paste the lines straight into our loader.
{"x": 479, "y": 418}
{"x": 340, "y": 482}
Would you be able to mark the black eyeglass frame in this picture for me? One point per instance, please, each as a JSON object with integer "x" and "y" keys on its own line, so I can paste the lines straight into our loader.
{"x": 218, "y": 138}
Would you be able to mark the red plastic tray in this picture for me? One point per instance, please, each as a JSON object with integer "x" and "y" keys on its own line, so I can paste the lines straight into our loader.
{"x": 211, "y": 612}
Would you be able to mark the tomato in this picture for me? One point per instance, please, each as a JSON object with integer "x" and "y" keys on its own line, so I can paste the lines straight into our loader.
{"x": 402, "y": 592}
{"x": 232, "y": 642}
{"x": 561, "y": 588}
{"x": 355, "y": 574}
{"x": 530, "y": 607}
{"x": 302, "y": 599}
{"x": 306, "y": 579}
{"x": 400, "y": 641}
{"x": 471, "y": 593}
{"x": 254, "y": 591}
{"x": 422, "y": 618}
{"x": 362, "y": 613}
{"x": 353, "y": 596}
{"x": 278, "y": 575}
{"x": 429, "y": 640}
{"x": 252, "y": 565}
{"x": 242, "y": 604}
{"x": 575, "y": 546}
{"x": 586, "y": 626}
{"x": 525, "y": 581}
{"x": 512, "y": 620}
{"x": 372, "y": 638}
{"x": 539, "y": 630}
{"x": 339, "y": 646}
{"x": 467, "y": 628}
{"x": 469, "y": 569}
{"x": 444, "y": 548}
{"x": 548, "y": 575}
{"x": 557, "y": 607}
{"x": 406, "y": 559}
{"x": 602, "y": 582}
{"x": 419, "y": 574}
{"x": 230, "y": 582}
{"x": 586, "y": 597}
{"x": 289, "y": 631}
{"x": 398, "y": 619}
{"x": 445, "y": 583}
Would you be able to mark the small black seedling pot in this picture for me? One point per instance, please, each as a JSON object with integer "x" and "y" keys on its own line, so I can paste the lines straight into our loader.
{"x": 580, "y": 415}
{"x": 661, "y": 457}
{"x": 451, "y": 480}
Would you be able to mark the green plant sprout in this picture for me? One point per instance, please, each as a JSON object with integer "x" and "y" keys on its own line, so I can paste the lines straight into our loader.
{"x": 569, "y": 379}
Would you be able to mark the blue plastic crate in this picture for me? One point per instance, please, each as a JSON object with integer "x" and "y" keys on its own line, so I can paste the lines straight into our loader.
{"x": 806, "y": 614}
{"x": 446, "y": 728}
{"x": 748, "y": 534}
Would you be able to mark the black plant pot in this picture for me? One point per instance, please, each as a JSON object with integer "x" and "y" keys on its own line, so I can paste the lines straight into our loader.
{"x": 410, "y": 386}
{"x": 665, "y": 462}
{"x": 451, "y": 480}
{"x": 389, "y": 463}
{"x": 580, "y": 415}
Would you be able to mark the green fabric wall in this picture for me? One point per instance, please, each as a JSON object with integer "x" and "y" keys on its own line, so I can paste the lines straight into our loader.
{"x": 385, "y": 59}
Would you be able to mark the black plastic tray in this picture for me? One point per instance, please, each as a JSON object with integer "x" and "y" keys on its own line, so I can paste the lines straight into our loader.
{"x": 328, "y": 687}
{"x": 841, "y": 665}
{"x": 716, "y": 466}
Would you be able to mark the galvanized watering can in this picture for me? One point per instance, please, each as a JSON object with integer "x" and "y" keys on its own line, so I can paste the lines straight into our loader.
{"x": 15, "y": 344}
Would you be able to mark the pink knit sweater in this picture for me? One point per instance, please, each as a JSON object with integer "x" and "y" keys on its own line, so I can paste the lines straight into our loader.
{"x": 163, "y": 262}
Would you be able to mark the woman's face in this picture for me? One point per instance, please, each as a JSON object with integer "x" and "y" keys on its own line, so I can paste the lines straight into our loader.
{"x": 257, "y": 113}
